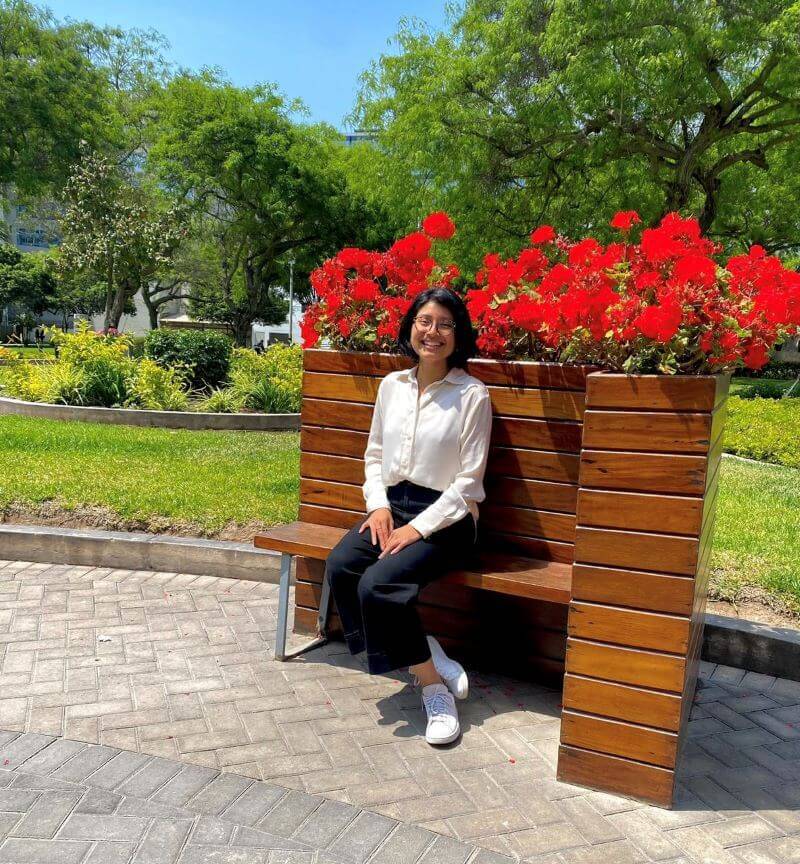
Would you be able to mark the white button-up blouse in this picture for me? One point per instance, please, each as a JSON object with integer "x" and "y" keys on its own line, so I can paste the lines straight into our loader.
{"x": 439, "y": 440}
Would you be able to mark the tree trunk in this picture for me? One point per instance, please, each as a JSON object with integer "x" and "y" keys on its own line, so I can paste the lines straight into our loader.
{"x": 114, "y": 314}
{"x": 152, "y": 308}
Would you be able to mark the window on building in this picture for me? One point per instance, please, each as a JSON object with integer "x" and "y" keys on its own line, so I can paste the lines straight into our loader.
{"x": 31, "y": 237}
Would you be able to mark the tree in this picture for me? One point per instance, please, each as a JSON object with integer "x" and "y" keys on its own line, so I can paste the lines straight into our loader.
{"x": 271, "y": 188}
{"x": 25, "y": 279}
{"x": 51, "y": 98}
{"x": 564, "y": 110}
{"x": 115, "y": 231}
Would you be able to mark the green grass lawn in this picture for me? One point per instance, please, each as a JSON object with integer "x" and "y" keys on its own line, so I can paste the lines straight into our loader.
{"x": 30, "y": 350}
{"x": 205, "y": 480}
{"x": 757, "y": 536}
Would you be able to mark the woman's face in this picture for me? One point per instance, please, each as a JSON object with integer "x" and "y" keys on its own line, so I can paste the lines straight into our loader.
{"x": 433, "y": 342}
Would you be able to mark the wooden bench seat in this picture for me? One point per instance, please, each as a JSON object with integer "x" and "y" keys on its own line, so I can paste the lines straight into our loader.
{"x": 505, "y": 573}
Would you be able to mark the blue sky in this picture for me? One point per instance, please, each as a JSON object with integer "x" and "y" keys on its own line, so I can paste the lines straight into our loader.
{"x": 313, "y": 49}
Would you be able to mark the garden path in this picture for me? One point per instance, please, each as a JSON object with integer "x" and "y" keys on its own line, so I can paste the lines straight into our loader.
{"x": 179, "y": 668}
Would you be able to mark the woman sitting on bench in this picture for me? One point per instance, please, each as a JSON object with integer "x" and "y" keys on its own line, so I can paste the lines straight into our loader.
{"x": 424, "y": 467}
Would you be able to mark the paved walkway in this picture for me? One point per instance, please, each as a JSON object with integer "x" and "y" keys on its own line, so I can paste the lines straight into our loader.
{"x": 179, "y": 667}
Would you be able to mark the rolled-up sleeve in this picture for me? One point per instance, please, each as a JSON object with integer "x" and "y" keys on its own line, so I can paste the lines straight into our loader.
{"x": 467, "y": 485}
{"x": 373, "y": 488}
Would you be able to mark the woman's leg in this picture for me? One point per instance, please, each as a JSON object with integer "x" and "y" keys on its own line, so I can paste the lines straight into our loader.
{"x": 343, "y": 568}
{"x": 388, "y": 593}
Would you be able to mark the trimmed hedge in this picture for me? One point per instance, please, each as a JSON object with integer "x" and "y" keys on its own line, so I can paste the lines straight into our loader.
{"x": 766, "y": 429}
{"x": 206, "y": 352}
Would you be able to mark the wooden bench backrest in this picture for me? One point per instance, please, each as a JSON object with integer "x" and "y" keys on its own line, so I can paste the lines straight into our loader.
{"x": 532, "y": 475}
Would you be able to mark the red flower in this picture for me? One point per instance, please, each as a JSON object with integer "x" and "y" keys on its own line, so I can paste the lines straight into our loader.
{"x": 308, "y": 331}
{"x": 543, "y": 234}
{"x": 364, "y": 289}
{"x": 438, "y": 226}
{"x": 660, "y": 323}
{"x": 414, "y": 247}
{"x": 624, "y": 220}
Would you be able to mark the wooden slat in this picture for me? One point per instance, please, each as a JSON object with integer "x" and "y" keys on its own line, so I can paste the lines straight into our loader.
{"x": 668, "y": 633}
{"x": 622, "y": 702}
{"x": 652, "y": 392}
{"x": 538, "y": 494}
{"x": 626, "y": 665}
{"x": 340, "y": 415}
{"x": 345, "y": 388}
{"x": 536, "y": 434}
{"x": 324, "y": 493}
{"x": 551, "y": 404}
{"x": 613, "y": 774}
{"x": 637, "y": 511}
{"x": 337, "y": 442}
{"x": 534, "y": 464}
{"x": 340, "y": 469}
{"x": 643, "y": 472}
{"x": 529, "y": 374}
{"x": 662, "y": 553}
{"x": 656, "y": 592}
{"x": 518, "y": 576}
{"x": 298, "y": 538}
{"x": 309, "y": 569}
{"x": 332, "y": 516}
{"x": 354, "y": 362}
{"x": 549, "y": 550}
{"x": 655, "y": 432}
{"x": 615, "y": 737}
{"x": 531, "y": 523}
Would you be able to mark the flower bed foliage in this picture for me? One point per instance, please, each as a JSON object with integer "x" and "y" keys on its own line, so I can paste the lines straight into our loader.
{"x": 207, "y": 352}
{"x": 664, "y": 304}
{"x": 764, "y": 429}
{"x": 97, "y": 369}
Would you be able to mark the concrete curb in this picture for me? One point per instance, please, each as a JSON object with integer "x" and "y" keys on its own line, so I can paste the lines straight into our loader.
{"x": 138, "y": 551}
{"x": 140, "y": 417}
{"x": 727, "y": 641}
{"x": 756, "y": 647}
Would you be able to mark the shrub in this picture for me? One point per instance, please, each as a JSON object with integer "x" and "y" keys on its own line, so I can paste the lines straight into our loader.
{"x": 765, "y": 388}
{"x": 206, "y": 352}
{"x": 220, "y": 401}
{"x": 766, "y": 429}
{"x": 155, "y": 388}
{"x": 773, "y": 371}
{"x": 270, "y": 382}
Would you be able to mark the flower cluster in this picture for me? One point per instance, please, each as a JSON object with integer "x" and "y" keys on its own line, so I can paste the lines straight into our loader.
{"x": 363, "y": 296}
{"x": 662, "y": 304}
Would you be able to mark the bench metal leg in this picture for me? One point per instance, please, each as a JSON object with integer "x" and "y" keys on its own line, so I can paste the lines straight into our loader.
{"x": 283, "y": 614}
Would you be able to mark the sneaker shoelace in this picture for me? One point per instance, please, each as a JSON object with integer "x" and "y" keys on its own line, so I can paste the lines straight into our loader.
{"x": 437, "y": 704}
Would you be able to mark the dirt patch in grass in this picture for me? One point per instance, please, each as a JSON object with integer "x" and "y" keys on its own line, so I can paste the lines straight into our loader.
{"x": 104, "y": 519}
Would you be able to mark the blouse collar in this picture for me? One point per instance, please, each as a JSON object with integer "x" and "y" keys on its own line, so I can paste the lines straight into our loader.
{"x": 455, "y": 375}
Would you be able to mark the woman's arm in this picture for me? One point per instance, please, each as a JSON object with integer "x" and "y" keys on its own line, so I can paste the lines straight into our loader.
{"x": 476, "y": 432}
{"x": 373, "y": 488}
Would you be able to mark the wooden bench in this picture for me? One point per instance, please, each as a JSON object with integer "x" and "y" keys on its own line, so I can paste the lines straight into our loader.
{"x": 592, "y": 560}
{"x": 526, "y": 525}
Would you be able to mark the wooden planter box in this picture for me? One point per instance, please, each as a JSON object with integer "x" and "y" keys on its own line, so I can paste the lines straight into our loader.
{"x": 612, "y": 476}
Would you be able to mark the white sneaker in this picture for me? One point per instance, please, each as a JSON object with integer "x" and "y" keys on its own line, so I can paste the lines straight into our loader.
{"x": 452, "y": 671}
{"x": 443, "y": 726}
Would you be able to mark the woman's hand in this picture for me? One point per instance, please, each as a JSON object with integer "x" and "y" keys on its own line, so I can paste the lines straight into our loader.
{"x": 380, "y": 523}
{"x": 399, "y": 539}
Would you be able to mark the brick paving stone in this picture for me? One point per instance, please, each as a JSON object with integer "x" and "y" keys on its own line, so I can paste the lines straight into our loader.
{"x": 404, "y": 845}
{"x": 289, "y": 813}
{"x": 93, "y": 826}
{"x": 325, "y": 823}
{"x": 24, "y": 851}
{"x": 362, "y": 836}
{"x": 45, "y": 817}
{"x": 163, "y": 842}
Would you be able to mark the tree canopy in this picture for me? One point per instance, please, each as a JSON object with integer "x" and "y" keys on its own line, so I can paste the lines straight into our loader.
{"x": 563, "y": 111}
{"x": 273, "y": 189}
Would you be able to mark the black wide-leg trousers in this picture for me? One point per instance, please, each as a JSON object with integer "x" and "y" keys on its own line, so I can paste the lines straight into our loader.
{"x": 376, "y": 599}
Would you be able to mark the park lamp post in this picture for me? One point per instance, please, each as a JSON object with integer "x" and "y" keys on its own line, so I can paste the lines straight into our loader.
{"x": 291, "y": 300}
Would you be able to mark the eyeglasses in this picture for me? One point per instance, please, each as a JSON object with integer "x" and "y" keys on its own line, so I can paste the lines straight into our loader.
{"x": 425, "y": 322}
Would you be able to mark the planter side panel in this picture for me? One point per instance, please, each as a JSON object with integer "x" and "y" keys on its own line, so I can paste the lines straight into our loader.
{"x": 645, "y": 518}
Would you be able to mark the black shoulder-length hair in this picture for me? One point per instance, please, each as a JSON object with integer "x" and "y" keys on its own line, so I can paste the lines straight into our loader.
{"x": 464, "y": 333}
